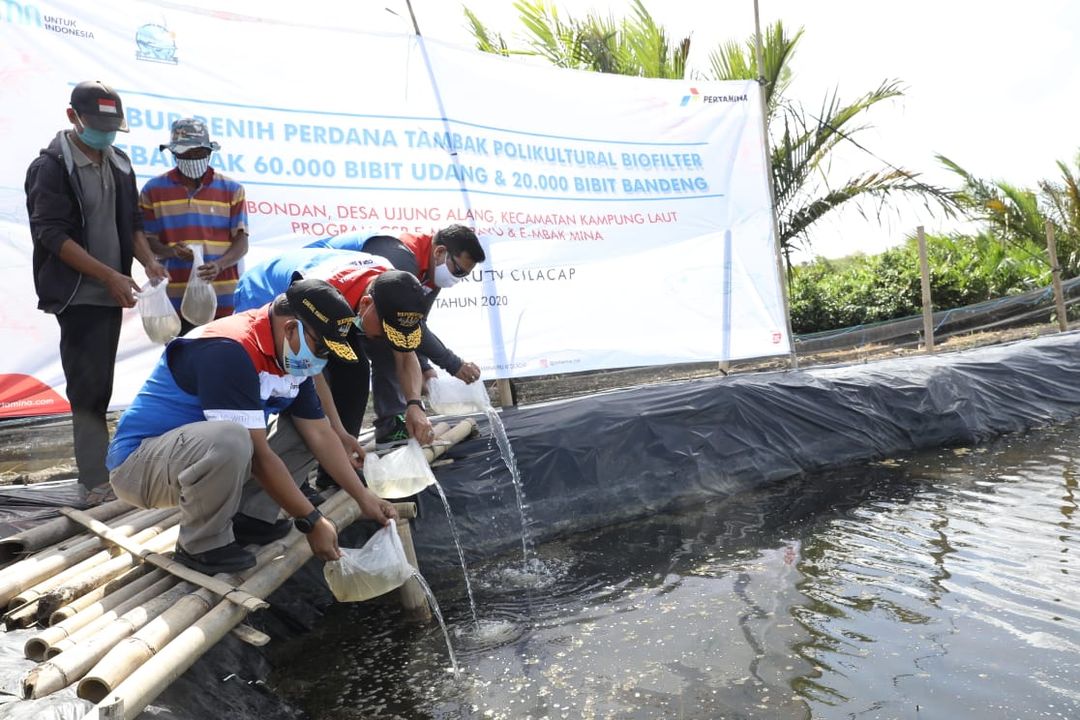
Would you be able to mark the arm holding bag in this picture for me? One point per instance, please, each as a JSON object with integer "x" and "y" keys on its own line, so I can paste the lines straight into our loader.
{"x": 367, "y": 572}
{"x": 200, "y": 301}
{"x": 159, "y": 318}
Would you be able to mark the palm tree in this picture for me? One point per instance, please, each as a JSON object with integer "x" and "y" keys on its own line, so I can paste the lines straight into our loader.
{"x": 1018, "y": 215}
{"x": 801, "y": 141}
{"x": 635, "y": 45}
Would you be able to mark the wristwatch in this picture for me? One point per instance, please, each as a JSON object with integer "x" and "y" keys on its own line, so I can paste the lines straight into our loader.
{"x": 307, "y": 523}
{"x": 417, "y": 403}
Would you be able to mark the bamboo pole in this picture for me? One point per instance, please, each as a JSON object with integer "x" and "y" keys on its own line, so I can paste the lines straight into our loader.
{"x": 506, "y": 394}
{"x": 55, "y": 531}
{"x": 168, "y": 564}
{"x": 67, "y": 667}
{"x": 132, "y": 652}
{"x": 150, "y": 678}
{"x": 449, "y": 438}
{"x": 161, "y": 651}
{"x": 30, "y": 572}
{"x": 79, "y": 604}
{"x": 927, "y": 303}
{"x": 31, "y": 603}
{"x": 413, "y": 600}
{"x": 37, "y": 646}
{"x": 88, "y": 631}
{"x": 1055, "y": 274}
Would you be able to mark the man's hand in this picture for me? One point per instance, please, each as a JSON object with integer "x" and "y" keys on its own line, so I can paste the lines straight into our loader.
{"x": 209, "y": 271}
{"x": 418, "y": 425}
{"x": 323, "y": 541}
{"x": 468, "y": 372}
{"x": 353, "y": 449}
{"x": 375, "y": 508}
{"x": 183, "y": 252}
{"x": 155, "y": 271}
{"x": 122, "y": 289}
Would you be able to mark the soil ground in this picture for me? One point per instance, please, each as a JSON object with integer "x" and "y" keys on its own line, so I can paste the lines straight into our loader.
{"x": 34, "y": 450}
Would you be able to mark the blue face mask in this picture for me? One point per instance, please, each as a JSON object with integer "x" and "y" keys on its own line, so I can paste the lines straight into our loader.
{"x": 304, "y": 363}
{"x": 97, "y": 139}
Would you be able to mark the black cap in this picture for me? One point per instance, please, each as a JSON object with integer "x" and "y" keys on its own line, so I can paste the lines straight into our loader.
{"x": 399, "y": 300}
{"x": 98, "y": 106}
{"x": 324, "y": 310}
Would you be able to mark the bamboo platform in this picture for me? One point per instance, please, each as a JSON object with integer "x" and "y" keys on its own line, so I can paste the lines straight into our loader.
{"x": 120, "y": 620}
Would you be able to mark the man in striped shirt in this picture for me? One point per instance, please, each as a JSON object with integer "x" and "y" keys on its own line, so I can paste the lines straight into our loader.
{"x": 193, "y": 204}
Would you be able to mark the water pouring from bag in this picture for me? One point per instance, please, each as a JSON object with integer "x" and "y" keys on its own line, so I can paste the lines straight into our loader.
{"x": 449, "y": 396}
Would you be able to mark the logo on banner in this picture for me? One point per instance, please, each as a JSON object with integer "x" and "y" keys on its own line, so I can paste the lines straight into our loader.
{"x": 21, "y": 14}
{"x": 17, "y": 13}
{"x": 155, "y": 43}
{"x": 697, "y": 98}
{"x": 692, "y": 97}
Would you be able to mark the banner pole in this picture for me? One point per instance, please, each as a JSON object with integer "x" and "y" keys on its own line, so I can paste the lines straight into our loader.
{"x": 505, "y": 391}
{"x": 793, "y": 360}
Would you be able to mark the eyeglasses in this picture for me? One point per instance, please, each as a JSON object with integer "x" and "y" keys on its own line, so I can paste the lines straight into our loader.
{"x": 455, "y": 269}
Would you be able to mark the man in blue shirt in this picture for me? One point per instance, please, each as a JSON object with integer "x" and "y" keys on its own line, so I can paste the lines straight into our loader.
{"x": 196, "y": 432}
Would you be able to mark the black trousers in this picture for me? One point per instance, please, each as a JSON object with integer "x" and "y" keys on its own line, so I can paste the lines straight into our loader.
{"x": 350, "y": 384}
{"x": 89, "y": 335}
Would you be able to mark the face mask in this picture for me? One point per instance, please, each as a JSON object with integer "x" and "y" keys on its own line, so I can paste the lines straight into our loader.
{"x": 360, "y": 322}
{"x": 97, "y": 139}
{"x": 193, "y": 169}
{"x": 444, "y": 278}
{"x": 304, "y": 363}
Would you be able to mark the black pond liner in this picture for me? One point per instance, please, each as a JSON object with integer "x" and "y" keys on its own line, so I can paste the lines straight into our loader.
{"x": 606, "y": 458}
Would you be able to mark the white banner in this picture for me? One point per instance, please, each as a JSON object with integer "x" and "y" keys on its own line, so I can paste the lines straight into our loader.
{"x": 626, "y": 220}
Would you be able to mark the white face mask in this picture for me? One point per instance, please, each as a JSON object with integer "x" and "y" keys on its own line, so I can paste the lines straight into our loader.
{"x": 444, "y": 278}
{"x": 193, "y": 169}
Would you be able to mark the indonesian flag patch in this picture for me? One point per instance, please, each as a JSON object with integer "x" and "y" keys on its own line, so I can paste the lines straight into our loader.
{"x": 105, "y": 105}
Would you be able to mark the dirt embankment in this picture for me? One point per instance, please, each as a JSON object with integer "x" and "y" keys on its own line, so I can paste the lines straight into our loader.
{"x": 36, "y": 450}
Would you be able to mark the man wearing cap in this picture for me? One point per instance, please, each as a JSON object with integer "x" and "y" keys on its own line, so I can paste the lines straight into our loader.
{"x": 439, "y": 261}
{"x": 196, "y": 432}
{"x": 391, "y": 304}
{"x": 86, "y": 226}
{"x": 194, "y": 204}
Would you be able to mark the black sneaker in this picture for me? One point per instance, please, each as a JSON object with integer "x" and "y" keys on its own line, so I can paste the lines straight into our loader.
{"x": 225, "y": 559}
{"x": 398, "y": 434}
{"x": 312, "y": 494}
{"x": 250, "y": 531}
{"x": 323, "y": 481}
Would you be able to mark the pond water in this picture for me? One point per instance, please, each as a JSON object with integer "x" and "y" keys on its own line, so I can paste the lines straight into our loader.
{"x": 937, "y": 585}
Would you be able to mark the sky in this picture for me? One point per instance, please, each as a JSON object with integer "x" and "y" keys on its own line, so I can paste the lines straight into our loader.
{"x": 993, "y": 86}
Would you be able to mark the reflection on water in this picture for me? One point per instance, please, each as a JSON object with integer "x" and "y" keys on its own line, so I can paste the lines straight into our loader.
{"x": 933, "y": 586}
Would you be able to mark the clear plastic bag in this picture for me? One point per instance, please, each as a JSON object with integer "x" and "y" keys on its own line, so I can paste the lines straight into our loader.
{"x": 367, "y": 572}
{"x": 400, "y": 473}
{"x": 159, "y": 317}
{"x": 449, "y": 396}
{"x": 200, "y": 300}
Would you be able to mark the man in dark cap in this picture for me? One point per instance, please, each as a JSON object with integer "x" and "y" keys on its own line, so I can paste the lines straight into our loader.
{"x": 391, "y": 306}
{"x": 86, "y": 226}
{"x": 197, "y": 431}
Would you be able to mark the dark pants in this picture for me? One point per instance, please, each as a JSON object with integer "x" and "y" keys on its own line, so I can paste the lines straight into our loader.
{"x": 389, "y": 401}
{"x": 349, "y": 385}
{"x": 89, "y": 335}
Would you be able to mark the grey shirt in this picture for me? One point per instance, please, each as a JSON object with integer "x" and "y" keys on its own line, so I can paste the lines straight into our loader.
{"x": 99, "y": 221}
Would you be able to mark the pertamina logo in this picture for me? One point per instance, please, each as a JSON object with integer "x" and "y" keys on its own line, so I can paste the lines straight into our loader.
{"x": 696, "y": 98}
{"x": 155, "y": 43}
